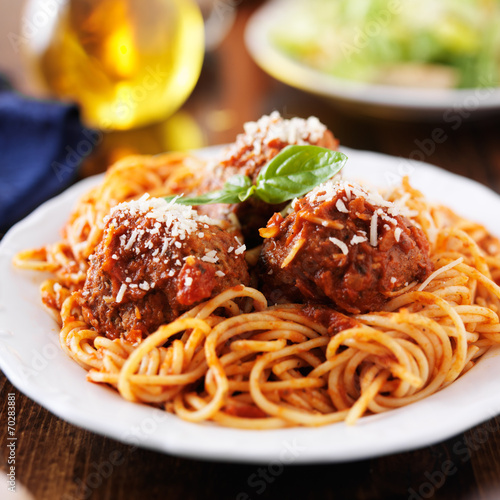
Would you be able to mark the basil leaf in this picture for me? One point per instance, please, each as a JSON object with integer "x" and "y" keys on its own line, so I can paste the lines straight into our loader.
{"x": 295, "y": 171}
{"x": 238, "y": 188}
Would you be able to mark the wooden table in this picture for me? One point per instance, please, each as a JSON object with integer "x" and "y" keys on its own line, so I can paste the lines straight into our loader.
{"x": 56, "y": 460}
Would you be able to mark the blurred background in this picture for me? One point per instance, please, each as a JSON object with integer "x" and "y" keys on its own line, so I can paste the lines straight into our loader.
{"x": 161, "y": 75}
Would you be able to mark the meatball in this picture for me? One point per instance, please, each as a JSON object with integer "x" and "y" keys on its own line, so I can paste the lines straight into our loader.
{"x": 343, "y": 245}
{"x": 260, "y": 143}
{"x": 155, "y": 261}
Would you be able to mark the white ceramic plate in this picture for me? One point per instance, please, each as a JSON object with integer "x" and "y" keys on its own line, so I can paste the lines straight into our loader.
{"x": 369, "y": 99}
{"x": 31, "y": 358}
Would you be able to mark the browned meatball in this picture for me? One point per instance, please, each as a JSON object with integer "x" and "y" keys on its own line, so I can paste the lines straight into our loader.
{"x": 155, "y": 261}
{"x": 343, "y": 245}
{"x": 260, "y": 143}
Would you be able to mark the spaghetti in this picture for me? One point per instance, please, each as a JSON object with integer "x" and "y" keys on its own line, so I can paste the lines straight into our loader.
{"x": 236, "y": 361}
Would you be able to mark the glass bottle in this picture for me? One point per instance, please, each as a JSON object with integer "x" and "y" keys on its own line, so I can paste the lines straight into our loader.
{"x": 127, "y": 63}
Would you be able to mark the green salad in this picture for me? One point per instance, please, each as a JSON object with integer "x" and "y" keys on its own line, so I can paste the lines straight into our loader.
{"x": 424, "y": 43}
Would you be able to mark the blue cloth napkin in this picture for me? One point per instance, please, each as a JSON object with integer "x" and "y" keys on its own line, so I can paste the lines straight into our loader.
{"x": 42, "y": 144}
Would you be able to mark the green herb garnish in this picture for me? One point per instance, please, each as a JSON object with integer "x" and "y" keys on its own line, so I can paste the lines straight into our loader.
{"x": 292, "y": 173}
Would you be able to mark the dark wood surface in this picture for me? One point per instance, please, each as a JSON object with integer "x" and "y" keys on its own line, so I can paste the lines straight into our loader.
{"x": 56, "y": 460}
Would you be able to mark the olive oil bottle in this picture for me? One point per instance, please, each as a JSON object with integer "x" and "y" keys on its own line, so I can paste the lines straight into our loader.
{"x": 127, "y": 63}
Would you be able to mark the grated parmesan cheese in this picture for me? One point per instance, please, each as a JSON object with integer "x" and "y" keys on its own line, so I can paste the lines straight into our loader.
{"x": 358, "y": 238}
{"x": 341, "y": 206}
{"x": 121, "y": 293}
{"x": 373, "y": 229}
{"x": 131, "y": 240}
{"x": 273, "y": 127}
{"x": 240, "y": 250}
{"x": 340, "y": 244}
{"x": 211, "y": 257}
{"x": 178, "y": 221}
{"x": 332, "y": 188}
